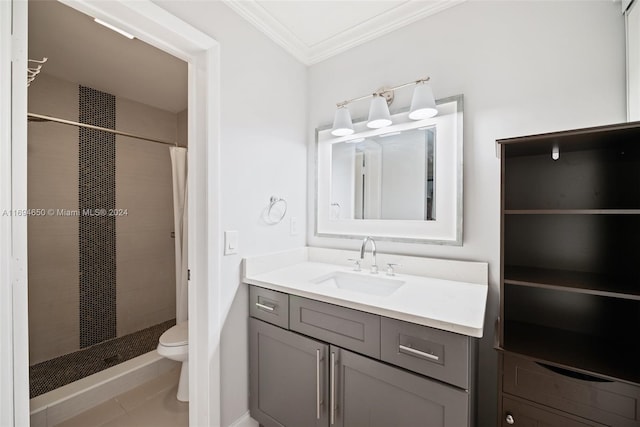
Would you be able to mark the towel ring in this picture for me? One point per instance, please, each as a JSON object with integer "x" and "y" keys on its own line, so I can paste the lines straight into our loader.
{"x": 273, "y": 216}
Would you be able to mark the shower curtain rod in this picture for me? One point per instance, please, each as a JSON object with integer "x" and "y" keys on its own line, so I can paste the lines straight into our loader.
{"x": 84, "y": 125}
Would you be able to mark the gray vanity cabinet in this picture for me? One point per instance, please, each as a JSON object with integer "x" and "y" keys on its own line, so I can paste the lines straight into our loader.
{"x": 288, "y": 377}
{"x": 324, "y": 367}
{"x": 373, "y": 394}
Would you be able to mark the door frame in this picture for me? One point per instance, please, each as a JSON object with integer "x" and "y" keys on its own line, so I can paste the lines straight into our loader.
{"x": 157, "y": 27}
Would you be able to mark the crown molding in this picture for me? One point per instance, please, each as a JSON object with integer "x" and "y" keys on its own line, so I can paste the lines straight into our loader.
{"x": 271, "y": 27}
{"x": 370, "y": 29}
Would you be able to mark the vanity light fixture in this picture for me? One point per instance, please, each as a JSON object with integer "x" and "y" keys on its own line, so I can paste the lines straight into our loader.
{"x": 555, "y": 152}
{"x": 379, "y": 115}
{"x": 342, "y": 124}
{"x": 114, "y": 28}
{"x": 423, "y": 106}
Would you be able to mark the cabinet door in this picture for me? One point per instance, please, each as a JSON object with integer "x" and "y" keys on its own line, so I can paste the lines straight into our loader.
{"x": 372, "y": 394}
{"x": 287, "y": 377}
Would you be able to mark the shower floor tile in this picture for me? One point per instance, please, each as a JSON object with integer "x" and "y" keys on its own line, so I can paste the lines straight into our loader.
{"x": 152, "y": 404}
{"x": 63, "y": 370}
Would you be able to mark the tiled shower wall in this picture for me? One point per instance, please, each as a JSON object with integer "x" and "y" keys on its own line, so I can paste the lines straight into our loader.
{"x": 90, "y": 281}
{"x": 97, "y": 232}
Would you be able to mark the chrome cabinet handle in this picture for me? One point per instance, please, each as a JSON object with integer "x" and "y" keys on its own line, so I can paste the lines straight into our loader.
{"x": 318, "y": 383}
{"x": 333, "y": 389}
{"x": 509, "y": 419}
{"x": 265, "y": 307}
{"x": 404, "y": 348}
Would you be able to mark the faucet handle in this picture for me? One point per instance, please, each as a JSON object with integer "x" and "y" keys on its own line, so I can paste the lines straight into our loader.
{"x": 356, "y": 263}
{"x": 390, "y": 271}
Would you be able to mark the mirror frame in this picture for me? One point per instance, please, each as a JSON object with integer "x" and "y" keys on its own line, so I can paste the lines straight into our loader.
{"x": 446, "y": 229}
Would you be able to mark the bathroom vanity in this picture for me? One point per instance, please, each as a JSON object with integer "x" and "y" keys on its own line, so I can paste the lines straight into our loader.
{"x": 332, "y": 346}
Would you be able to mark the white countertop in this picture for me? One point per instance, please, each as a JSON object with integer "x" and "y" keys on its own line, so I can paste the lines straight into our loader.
{"x": 451, "y": 305}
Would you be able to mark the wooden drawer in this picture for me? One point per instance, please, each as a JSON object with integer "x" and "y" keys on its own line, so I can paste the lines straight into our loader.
{"x": 524, "y": 414}
{"x": 438, "y": 354}
{"x": 270, "y": 306}
{"x": 608, "y": 402}
{"x": 344, "y": 327}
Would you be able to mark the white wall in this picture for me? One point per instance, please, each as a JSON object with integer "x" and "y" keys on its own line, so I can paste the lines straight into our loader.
{"x": 263, "y": 153}
{"x": 524, "y": 67}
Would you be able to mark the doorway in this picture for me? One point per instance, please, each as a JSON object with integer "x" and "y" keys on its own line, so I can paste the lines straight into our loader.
{"x": 102, "y": 271}
{"x": 155, "y": 26}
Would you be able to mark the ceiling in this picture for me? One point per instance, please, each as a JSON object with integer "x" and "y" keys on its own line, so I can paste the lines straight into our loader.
{"x": 314, "y": 30}
{"x": 83, "y": 52}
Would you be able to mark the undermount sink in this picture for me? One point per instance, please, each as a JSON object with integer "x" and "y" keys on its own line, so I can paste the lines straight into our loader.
{"x": 362, "y": 283}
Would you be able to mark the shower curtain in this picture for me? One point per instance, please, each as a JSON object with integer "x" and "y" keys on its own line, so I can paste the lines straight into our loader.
{"x": 179, "y": 172}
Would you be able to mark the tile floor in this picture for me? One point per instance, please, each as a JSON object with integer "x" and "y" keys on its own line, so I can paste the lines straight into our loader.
{"x": 152, "y": 404}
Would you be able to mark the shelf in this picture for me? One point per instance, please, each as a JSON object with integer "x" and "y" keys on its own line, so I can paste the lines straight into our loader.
{"x": 572, "y": 211}
{"x": 612, "y": 358}
{"x": 627, "y": 287}
{"x": 594, "y": 138}
{"x": 570, "y": 286}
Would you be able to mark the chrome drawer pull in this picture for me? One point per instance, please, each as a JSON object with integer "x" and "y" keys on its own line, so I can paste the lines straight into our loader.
{"x": 417, "y": 352}
{"x": 332, "y": 415}
{"x": 265, "y": 307}
{"x": 317, "y": 383}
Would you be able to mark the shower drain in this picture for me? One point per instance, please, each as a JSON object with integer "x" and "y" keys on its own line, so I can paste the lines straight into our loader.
{"x": 112, "y": 359}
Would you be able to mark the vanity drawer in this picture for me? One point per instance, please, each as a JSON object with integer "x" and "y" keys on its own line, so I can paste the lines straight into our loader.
{"x": 432, "y": 352}
{"x": 522, "y": 413}
{"x": 344, "y": 327}
{"x": 270, "y": 306}
{"x": 608, "y": 402}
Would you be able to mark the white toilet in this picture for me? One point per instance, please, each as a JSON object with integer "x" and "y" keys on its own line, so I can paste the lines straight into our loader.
{"x": 174, "y": 345}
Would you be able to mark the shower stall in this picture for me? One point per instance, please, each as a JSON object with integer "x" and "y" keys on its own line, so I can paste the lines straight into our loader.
{"x": 101, "y": 235}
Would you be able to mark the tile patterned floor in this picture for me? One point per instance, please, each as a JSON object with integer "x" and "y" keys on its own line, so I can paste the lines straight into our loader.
{"x": 152, "y": 404}
{"x": 54, "y": 373}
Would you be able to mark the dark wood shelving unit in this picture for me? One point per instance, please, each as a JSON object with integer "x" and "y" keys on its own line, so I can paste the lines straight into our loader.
{"x": 570, "y": 272}
{"x": 610, "y": 285}
{"x": 610, "y": 358}
{"x": 572, "y": 212}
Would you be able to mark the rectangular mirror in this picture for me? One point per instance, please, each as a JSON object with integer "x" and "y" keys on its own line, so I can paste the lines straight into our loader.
{"x": 402, "y": 182}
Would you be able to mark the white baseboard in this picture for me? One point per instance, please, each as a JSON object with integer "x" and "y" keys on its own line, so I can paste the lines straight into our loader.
{"x": 245, "y": 421}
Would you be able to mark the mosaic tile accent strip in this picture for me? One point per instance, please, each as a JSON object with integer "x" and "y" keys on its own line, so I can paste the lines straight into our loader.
{"x": 97, "y": 230}
{"x": 54, "y": 373}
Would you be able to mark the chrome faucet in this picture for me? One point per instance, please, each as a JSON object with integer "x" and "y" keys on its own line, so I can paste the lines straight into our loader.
{"x": 374, "y": 266}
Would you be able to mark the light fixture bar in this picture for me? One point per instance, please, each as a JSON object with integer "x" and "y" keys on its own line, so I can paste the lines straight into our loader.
{"x": 360, "y": 98}
{"x": 114, "y": 28}
{"x": 423, "y": 106}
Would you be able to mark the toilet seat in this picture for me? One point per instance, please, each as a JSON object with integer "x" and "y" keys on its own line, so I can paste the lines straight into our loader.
{"x": 176, "y": 336}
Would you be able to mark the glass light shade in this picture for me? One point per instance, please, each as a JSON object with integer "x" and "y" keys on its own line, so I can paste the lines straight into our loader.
{"x": 379, "y": 116}
{"x": 342, "y": 124}
{"x": 423, "y": 104}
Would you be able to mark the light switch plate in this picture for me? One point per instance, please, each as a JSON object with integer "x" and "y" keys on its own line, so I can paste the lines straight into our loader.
{"x": 230, "y": 242}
